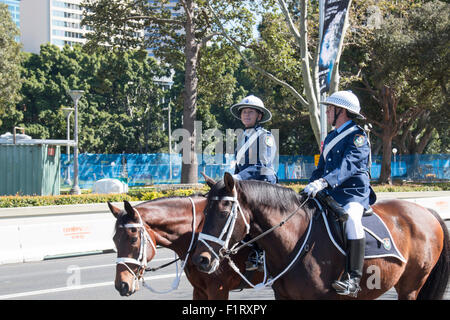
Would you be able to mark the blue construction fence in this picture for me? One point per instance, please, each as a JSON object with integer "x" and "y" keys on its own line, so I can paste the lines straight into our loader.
{"x": 160, "y": 168}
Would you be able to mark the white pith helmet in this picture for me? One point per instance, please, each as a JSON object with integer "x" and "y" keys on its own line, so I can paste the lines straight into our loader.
{"x": 254, "y": 103}
{"x": 346, "y": 100}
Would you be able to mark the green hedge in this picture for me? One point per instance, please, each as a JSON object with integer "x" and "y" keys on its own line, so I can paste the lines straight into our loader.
{"x": 133, "y": 195}
{"x": 146, "y": 194}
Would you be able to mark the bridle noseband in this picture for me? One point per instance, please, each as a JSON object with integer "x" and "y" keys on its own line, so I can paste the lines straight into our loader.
{"x": 141, "y": 261}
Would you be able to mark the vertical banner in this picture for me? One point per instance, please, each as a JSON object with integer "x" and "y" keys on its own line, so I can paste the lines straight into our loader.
{"x": 333, "y": 13}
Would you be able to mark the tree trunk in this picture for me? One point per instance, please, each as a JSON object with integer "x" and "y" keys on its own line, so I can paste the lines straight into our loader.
{"x": 189, "y": 168}
{"x": 385, "y": 174}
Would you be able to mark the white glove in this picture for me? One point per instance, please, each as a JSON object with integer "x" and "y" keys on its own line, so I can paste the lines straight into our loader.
{"x": 315, "y": 186}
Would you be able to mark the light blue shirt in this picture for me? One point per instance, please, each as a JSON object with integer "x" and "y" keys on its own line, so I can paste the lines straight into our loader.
{"x": 343, "y": 126}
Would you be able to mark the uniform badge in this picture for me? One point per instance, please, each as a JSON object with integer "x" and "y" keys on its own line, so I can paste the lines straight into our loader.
{"x": 359, "y": 140}
{"x": 269, "y": 141}
{"x": 387, "y": 244}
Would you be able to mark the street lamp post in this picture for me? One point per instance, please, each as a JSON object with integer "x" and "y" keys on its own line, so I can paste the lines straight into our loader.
{"x": 394, "y": 151}
{"x": 75, "y": 95}
{"x": 68, "y": 112}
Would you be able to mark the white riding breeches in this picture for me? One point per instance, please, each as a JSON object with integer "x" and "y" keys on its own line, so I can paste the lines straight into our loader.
{"x": 354, "y": 228}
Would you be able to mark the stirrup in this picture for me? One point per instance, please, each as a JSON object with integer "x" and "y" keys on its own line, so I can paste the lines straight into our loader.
{"x": 349, "y": 287}
{"x": 255, "y": 261}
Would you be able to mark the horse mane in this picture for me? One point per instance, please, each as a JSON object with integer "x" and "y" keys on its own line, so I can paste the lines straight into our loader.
{"x": 260, "y": 193}
{"x": 263, "y": 194}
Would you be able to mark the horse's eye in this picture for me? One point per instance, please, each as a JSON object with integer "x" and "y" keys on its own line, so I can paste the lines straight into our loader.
{"x": 133, "y": 230}
{"x": 226, "y": 203}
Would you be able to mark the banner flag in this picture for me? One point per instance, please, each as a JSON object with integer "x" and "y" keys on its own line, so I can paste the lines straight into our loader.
{"x": 333, "y": 13}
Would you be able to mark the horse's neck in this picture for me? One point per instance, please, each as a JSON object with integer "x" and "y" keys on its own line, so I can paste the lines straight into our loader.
{"x": 280, "y": 244}
{"x": 172, "y": 222}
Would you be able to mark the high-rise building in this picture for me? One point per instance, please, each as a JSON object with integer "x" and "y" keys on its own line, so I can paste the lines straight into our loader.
{"x": 14, "y": 9}
{"x": 50, "y": 21}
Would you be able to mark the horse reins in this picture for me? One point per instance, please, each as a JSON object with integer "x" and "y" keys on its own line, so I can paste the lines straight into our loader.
{"x": 243, "y": 244}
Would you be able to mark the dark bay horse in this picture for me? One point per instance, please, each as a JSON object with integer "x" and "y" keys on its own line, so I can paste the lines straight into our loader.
{"x": 420, "y": 235}
{"x": 167, "y": 222}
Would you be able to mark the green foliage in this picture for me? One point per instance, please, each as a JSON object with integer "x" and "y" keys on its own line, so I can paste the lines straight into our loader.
{"x": 407, "y": 52}
{"x": 145, "y": 195}
{"x": 119, "y": 112}
{"x": 10, "y": 58}
{"x": 133, "y": 195}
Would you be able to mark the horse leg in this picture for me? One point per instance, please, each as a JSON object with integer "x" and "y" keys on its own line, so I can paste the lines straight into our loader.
{"x": 210, "y": 292}
{"x": 408, "y": 289}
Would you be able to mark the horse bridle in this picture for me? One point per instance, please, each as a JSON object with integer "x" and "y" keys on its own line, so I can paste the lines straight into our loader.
{"x": 225, "y": 252}
{"x": 141, "y": 261}
{"x": 226, "y": 232}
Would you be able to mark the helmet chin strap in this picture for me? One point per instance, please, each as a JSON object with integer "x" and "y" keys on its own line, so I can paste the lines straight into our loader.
{"x": 336, "y": 115}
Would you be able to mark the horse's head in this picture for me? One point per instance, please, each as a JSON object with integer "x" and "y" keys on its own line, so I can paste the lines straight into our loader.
{"x": 225, "y": 225}
{"x": 135, "y": 243}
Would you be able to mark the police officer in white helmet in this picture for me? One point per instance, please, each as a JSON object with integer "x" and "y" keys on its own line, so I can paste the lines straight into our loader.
{"x": 256, "y": 150}
{"x": 256, "y": 147}
{"x": 343, "y": 170}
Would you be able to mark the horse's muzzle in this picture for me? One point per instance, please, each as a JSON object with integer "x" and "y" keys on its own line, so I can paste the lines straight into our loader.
{"x": 124, "y": 289}
{"x": 204, "y": 263}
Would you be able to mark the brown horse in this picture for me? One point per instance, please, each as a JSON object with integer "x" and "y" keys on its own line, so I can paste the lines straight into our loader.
{"x": 167, "y": 222}
{"x": 302, "y": 242}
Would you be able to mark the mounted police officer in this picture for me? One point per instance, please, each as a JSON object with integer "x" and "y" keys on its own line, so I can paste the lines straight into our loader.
{"x": 256, "y": 147}
{"x": 256, "y": 150}
{"x": 343, "y": 170}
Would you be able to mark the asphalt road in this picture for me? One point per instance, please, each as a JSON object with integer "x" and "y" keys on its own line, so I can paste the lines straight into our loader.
{"x": 91, "y": 277}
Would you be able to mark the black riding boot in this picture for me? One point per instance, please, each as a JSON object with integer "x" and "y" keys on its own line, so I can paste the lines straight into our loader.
{"x": 355, "y": 262}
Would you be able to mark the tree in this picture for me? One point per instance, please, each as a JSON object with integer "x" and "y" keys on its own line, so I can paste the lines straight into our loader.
{"x": 175, "y": 38}
{"x": 302, "y": 46}
{"x": 9, "y": 67}
{"x": 406, "y": 75}
{"x": 120, "y": 110}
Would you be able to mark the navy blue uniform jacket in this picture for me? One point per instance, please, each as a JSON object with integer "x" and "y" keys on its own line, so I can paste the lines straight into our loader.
{"x": 346, "y": 168}
{"x": 257, "y": 162}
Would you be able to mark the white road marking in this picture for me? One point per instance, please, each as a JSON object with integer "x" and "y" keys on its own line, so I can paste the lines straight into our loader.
{"x": 113, "y": 264}
{"x": 77, "y": 287}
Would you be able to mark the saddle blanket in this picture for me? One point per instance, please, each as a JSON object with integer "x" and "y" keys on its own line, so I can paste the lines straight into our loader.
{"x": 379, "y": 242}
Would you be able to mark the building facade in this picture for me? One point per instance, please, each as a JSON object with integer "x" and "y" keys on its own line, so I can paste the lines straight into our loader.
{"x": 50, "y": 21}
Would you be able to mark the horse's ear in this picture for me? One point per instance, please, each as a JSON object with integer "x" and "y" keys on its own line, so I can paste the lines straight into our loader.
{"x": 129, "y": 209}
{"x": 229, "y": 182}
{"x": 209, "y": 181}
{"x": 114, "y": 210}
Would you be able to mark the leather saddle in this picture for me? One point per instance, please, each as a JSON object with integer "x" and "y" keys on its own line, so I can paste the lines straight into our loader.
{"x": 336, "y": 215}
